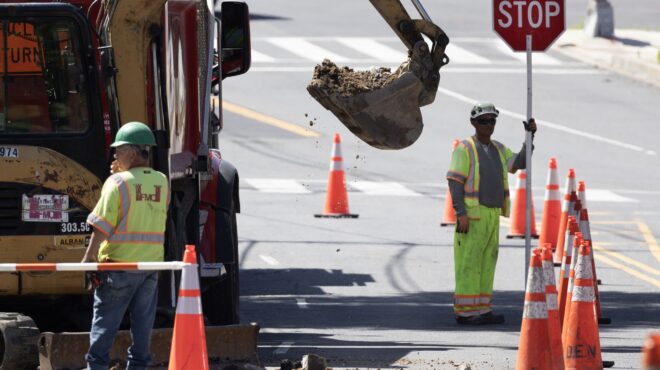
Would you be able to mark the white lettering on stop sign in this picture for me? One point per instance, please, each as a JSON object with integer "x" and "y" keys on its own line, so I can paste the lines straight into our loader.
{"x": 536, "y": 13}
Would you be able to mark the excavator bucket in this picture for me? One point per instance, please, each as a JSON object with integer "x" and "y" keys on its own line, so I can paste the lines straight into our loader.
{"x": 225, "y": 344}
{"x": 381, "y": 107}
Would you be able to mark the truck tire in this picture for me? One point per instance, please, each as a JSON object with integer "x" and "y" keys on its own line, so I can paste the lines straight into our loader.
{"x": 220, "y": 299}
{"x": 19, "y": 336}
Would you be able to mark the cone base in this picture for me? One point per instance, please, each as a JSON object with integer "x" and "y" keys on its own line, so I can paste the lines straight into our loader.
{"x": 336, "y": 215}
{"x": 519, "y": 236}
{"x": 447, "y": 223}
{"x": 608, "y": 364}
{"x": 604, "y": 321}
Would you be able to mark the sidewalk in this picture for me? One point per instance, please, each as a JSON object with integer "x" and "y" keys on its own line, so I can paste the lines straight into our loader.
{"x": 631, "y": 53}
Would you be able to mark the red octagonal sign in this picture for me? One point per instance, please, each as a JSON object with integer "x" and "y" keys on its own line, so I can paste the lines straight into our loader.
{"x": 513, "y": 20}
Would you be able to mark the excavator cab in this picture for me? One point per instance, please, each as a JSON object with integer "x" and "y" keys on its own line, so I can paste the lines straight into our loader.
{"x": 387, "y": 115}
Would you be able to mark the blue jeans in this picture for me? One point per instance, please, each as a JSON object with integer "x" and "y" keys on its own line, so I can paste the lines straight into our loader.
{"x": 119, "y": 291}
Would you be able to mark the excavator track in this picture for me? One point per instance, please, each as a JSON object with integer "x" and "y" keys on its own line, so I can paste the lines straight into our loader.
{"x": 18, "y": 342}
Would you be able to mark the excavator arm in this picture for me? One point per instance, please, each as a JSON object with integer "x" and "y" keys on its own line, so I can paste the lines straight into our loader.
{"x": 389, "y": 117}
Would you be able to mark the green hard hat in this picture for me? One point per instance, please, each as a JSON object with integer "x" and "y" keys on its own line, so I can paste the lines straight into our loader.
{"x": 482, "y": 108}
{"x": 134, "y": 133}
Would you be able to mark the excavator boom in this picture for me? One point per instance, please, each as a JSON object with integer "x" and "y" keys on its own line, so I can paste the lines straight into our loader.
{"x": 389, "y": 116}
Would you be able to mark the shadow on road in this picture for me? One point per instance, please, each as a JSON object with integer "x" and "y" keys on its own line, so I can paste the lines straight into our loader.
{"x": 291, "y": 305}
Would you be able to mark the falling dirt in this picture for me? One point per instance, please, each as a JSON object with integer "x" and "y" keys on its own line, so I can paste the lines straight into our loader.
{"x": 347, "y": 82}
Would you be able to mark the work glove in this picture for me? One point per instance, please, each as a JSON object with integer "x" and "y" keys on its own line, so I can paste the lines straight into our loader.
{"x": 92, "y": 281}
{"x": 530, "y": 126}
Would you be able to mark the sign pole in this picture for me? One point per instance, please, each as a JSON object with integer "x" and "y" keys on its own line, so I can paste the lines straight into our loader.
{"x": 528, "y": 161}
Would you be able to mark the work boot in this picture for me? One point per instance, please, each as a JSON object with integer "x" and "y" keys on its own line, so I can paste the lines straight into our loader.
{"x": 491, "y": 318}
{"x": 483, "y": 319}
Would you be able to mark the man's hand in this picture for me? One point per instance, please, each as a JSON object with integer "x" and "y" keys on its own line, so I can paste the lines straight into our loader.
{"x": 530, "y": 126}
{"x": 462, "y": 224}
{"x": 115, "y": 167}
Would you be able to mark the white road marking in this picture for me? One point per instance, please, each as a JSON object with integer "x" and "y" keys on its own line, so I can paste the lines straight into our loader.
{"x": 548, "y": 124}
{"x": 538, "y": 58}
{"x": 258, "y": 57}
{"x": 383, "y": 188}
{"x": 461, "y": 56}
{"x": 303, "y": 48}
{"x": 374, "y": 49}
{"x": 283, "y": 348}
{"x": 269, "y": 260}
{"x": 286, "y": 186}
{"x": 302, "y": 303}
{"x": 602, "y": 195}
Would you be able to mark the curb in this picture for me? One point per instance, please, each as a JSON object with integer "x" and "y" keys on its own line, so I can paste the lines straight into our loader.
{"x": 634, "y": 61}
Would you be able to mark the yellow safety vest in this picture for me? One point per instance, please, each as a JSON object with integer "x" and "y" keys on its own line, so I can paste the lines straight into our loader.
{"x": 464, "y": 168}
{"x": 132, "y": 212}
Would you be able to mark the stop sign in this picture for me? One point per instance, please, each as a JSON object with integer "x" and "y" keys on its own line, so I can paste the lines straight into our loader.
{"x": 513, "y": 20}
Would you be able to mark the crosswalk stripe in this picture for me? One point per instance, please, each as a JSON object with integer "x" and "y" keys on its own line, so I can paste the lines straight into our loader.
{"x": 286, "y": 186}
{"x": 383, "y": 188}
{"x": 538, "y": 58}
{"x": 461, "y": 56}
{"x": 259, "y": 57}
{"x": 374, "y": 49}
{"x": 303, "y": 48}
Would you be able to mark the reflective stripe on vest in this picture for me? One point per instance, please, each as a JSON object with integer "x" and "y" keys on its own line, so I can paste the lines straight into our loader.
{"x": 118, "y": 238}
{"x": 124, "y": 200}
{"x": 100, "y": 223}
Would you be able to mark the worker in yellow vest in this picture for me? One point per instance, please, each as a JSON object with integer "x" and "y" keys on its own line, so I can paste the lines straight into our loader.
{"x": 129, "y": 226}
{"x": 479, "y": 188}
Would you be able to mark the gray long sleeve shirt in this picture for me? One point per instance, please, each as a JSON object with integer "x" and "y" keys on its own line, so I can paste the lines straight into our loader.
{"x": 491, "y": 186}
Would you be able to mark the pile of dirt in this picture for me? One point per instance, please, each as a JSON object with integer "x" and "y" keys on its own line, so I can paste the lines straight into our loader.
{"x": 347, "y": 82}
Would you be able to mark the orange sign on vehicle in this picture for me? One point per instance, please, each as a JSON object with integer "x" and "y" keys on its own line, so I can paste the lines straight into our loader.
{"x": 20, "y": 50}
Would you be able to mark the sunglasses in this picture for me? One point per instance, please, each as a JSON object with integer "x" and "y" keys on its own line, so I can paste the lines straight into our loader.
{"x": 487, "y": 121}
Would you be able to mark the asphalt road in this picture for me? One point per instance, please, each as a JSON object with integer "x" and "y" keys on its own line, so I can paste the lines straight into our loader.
{"x": 376, "y": 291}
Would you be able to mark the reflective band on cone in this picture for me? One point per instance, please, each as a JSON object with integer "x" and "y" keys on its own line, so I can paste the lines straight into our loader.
{"x": 189, "y": 337}
{"x": 533, "y": 348}
{"x": 551, "y": 207}
{"x": 336, "y": 200}
{"x": 517, "y": 229}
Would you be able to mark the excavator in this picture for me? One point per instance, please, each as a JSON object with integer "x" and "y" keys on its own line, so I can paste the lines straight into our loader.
{"x": 389, "y": 117}
{"x": 71, "y": 72}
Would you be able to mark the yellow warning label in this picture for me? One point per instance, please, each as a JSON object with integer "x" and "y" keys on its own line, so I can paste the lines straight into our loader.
{"x": 71, "y": 241}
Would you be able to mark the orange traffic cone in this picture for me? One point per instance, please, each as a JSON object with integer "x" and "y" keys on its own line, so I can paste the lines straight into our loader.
{"x": 564, "y": 271}
{"x": 554, "y": 327}
{"x": 651, "y": 352}
{"x": 577, "y": 242}
{"x": 585, "y": 228}
{"x": 189, "y": 338}
{"x": 517, "y": 229}
{"x": 533, "y": 349}
{"x": 336, "y": 200}
{"x": 582, "y": 345}
{"x": 551, "y": 207}
{"x": 567, "y": 208}
{"x": 449, "y": 215}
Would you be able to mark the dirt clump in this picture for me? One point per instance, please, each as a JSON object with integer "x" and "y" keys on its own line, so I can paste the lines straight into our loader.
{"x": 347, "y": 82}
